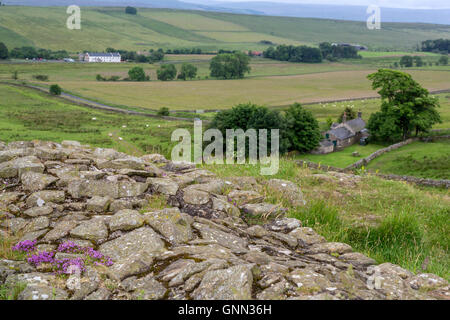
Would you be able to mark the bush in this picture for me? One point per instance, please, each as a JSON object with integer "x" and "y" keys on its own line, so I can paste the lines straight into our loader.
{"x": 302, "y": 129}
{"x": 250, "y": 116}
{"x": 137, "y": 74}
{"x": 164, "y": 111}
{"x": 188, "y": 71}
{"x": 406, "y": 62}
{"x": 350, "y": 114}
{"x": 167, "y": 72}
{"x": 40, "y": 77}
{"x": 55, "y": 90}
{"x": 4, "y": 53}
{"x": 130, "y": 10}
{"x": 443, "y": 60}
{"x": 230, "y": 65}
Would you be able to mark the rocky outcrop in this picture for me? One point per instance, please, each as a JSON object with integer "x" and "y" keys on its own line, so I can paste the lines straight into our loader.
{"x": 74, "y": 206}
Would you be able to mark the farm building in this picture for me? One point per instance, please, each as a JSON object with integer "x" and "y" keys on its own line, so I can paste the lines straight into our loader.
{"x": 343, "y": 135}
{"x": 102, "y": 57}
{"x": 356, "y": 46}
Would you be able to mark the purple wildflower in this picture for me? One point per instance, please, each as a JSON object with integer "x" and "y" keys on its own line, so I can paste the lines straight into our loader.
{"x": 25, "y": 246}
{"x": 42, "y": 257}
{"x": 69, "y": 247}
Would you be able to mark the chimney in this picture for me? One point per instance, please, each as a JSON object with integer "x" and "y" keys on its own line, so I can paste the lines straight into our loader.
{"x": 360, "y": 114}
{"x": 344, "y": 117}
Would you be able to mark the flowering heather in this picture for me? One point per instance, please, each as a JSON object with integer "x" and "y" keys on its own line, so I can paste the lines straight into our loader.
{"x": 25, "y": 246}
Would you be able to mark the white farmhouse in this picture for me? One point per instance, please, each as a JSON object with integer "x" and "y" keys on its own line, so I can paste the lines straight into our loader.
{"x": 102, "y": 57}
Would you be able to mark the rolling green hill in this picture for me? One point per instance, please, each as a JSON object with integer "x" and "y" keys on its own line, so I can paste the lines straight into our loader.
{"x": 45, "y": 27}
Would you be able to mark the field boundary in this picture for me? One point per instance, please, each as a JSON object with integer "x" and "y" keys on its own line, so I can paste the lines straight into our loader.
{"x": 419, "y": 181}
{"x": 365, "y": 161}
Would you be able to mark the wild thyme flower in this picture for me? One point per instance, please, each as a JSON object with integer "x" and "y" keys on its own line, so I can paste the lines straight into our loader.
{"x": 42, "y": 257}
{"x": 25, "y": 246}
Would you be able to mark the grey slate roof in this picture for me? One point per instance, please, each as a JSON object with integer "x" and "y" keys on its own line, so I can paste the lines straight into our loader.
{"x": 341, "y": 133}
{"x": 356, "y": 124}
{"x": 101, "y": 54}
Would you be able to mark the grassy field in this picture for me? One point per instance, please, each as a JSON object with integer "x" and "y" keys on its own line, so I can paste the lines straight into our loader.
{"x": 425, "y": 160}
{"x": 154, "y": 28}
{"x": 387, "y": 220}
{"x": 342, "y": 158}
{"x": 26, "y": 114}
{"x": 272, "y": 91}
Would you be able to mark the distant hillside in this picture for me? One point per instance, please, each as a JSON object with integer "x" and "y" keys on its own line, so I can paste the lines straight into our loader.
{"x": 104, "y": 27}
{"x": 341, "y": 12}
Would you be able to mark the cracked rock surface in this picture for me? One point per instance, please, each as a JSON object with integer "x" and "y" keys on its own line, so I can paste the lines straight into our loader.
{"x": 200, "y": 246}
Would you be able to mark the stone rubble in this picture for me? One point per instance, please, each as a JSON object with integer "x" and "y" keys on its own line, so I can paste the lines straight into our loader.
{"x": 201, "y": 246}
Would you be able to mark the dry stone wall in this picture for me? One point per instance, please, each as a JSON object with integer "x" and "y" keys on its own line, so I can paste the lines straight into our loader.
{"x": 71, "y": 205}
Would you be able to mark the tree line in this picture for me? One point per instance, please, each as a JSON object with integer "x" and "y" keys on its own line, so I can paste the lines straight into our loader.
{"x": 311, "y": 54}
{"x": 31, "y": 53}
{"x": 436, "y": 46}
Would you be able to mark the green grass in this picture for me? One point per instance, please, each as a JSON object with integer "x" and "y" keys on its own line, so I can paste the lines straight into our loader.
{"x": 26, "y": 114}
{"x": 153, "y": 28}
{"x": 344, "y": 158}
{"x": 387, "y": 220}
{"x": 425, "y": 160}
{"x": 11, "y": 292}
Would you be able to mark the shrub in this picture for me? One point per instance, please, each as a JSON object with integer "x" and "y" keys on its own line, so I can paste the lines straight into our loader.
{"x": 55, "y": 90}
{"x": 188, "y": 71}
{"x": 137, "y": 74}
{"x": 4, "y": 53}
{"x": 302, "y": 129}
{"x": 443, "y": 60}
{"x": 230, "y": 65}
{"x": 130, "y": 10}
{"x": 40, "y": 77}
{"x": 164, "y": 111}
{"x": 167, "y": 72}
{"x": 250, "y": 116}
{"x": 350, "y": 114}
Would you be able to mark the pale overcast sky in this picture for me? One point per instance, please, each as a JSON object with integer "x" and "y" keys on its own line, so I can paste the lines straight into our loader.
{"x": 417, "y": 4}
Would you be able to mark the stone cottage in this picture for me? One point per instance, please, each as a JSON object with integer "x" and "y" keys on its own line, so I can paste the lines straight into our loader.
{"x": 342, "y": 135}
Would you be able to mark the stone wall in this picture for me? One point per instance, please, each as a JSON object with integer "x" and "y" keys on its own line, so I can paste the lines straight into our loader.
{"x": 365, "y": 161}
{"x": 91, "y": 209}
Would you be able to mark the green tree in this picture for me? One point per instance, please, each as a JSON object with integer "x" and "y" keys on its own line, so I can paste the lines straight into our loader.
{"x": 131, "y": 10}
{"x": 55, "y": 90}
{"x": 418, "y": 60}
{"x": 302, "y": 129}
{"x": 167, "y": 72}
{"x": 230, "y": 65}
{"x": 406, "y": 62}
{"x": 164, "y": 111}
{"x": 188, "y": 71}
{"x": 137, "y": 74}
{"x": 250, "y": 116}
{"x": 443, "y": 60}
{"x": 4, "y": 53}
{"x": 406, "y": 107}
{"x": 349, "y": 114}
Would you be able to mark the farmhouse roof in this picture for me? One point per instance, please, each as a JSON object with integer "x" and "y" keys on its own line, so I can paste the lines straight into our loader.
{"x": 341, "y": 133}
{"x": 102, "y": 54}
{"x": 356, "y": 124}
